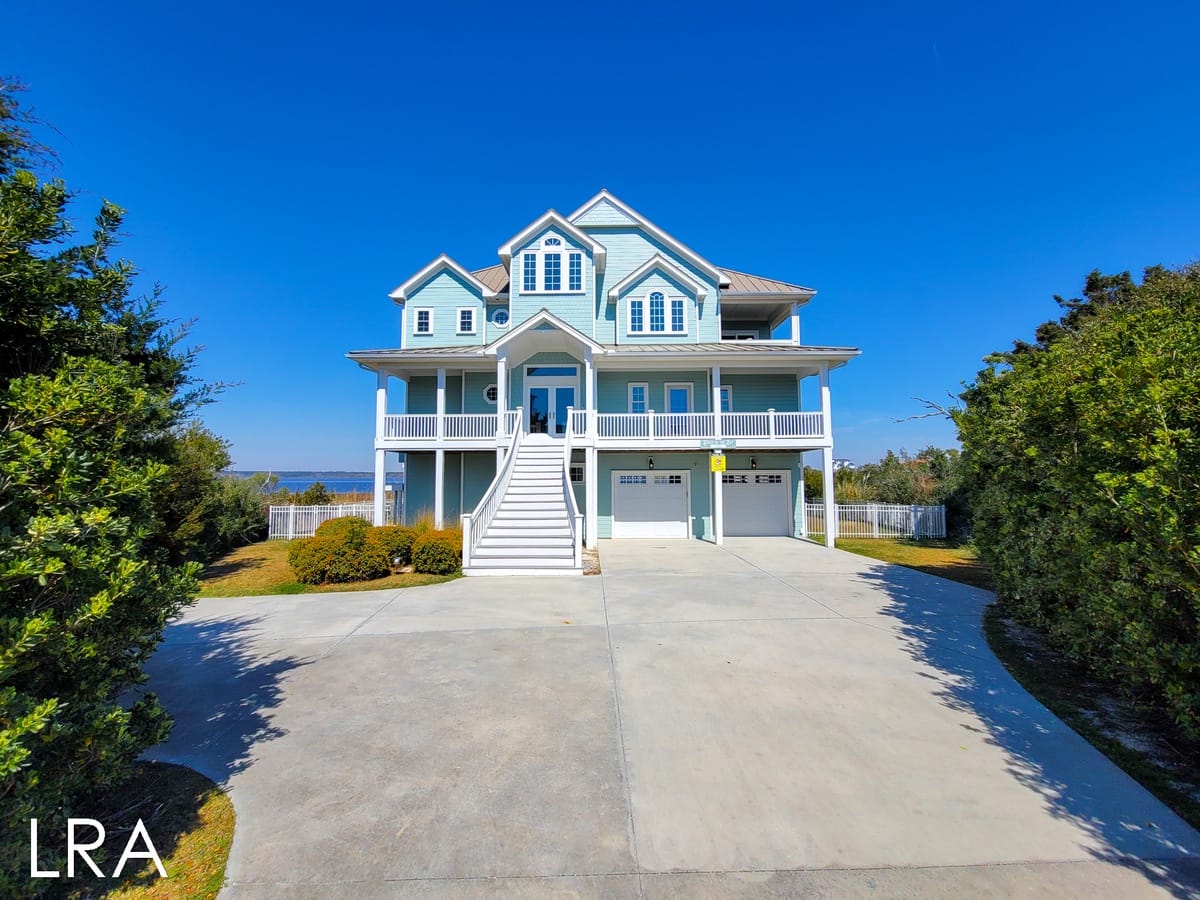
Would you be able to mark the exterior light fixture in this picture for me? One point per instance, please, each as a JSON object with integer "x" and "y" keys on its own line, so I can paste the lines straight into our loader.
{"x": 753, "y": 463}
{"x": 650, "y": 463}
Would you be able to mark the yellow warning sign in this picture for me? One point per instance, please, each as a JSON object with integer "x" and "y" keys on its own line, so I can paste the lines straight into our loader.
{"x": 716, "y": 462}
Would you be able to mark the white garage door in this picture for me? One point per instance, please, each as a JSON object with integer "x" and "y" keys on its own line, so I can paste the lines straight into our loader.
{"x": 650, "y": 505}
{"x": 757, "y": 503}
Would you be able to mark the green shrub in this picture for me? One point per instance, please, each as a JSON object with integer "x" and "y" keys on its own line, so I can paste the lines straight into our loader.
{"x": 342, "y": 525}
{"x": 437, "y": 552}
{"x": 346, "y": 555}
{"x": 396, "y": 541}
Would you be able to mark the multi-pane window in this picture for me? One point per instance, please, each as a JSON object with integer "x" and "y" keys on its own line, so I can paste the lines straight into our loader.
{"x": 576, "y": 474}
{"x": 636, "y": 321}
{"x": 529, "y": 282}
{"x": 575, "y": 272}
{"x": 658, "y": 321}
{"x": 424, "y": 321}
{"x": 637, "y": 397}
{"x": 466, "y": 320}
{"x": 552, "y": 272}
{"x": 677, "y": 314}
{"x": 726, "y": 398}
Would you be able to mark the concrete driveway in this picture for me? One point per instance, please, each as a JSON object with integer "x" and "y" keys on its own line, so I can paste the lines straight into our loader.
{"x": 765, "y": 719}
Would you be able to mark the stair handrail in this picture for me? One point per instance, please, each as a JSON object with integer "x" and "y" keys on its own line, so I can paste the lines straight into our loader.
{"x": 574, "y": 517}
{"x": 476, "y": 523}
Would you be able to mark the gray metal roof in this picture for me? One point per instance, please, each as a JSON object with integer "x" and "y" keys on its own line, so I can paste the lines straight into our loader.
{"x": 496, "y": 278}
{"x": 729, "y": 347}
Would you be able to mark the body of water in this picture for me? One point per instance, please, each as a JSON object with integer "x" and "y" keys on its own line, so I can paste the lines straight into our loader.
{"x": 335, "y": 482}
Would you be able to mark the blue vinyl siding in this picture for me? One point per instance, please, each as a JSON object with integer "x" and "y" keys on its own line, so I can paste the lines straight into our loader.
{"x": 422, "y": 394}
{"x": 467, "y": 478}
{"x": 516, "y": 376}
{"x": 758, "y": 393}
{"x": 603, "y": 213}
{"x": 613, "y": 389}
{"x": 445, "y": 293}
{"x": 577, "y": 310}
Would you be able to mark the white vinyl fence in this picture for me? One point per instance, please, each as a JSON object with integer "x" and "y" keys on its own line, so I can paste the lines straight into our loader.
{"x": 287, "y": 522}
{"x": 880, "y": 520}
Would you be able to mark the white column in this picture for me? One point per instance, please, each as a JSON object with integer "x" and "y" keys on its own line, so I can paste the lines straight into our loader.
{"x": 501, "y": 396}
{"x": 380, "y": 478}
{"x": 441, "y": 405}
{"x": 803, "y": 500}
{"x": 716, "y": 400}
{"x": 381, "y": 398}
{"x": 718, "y": 507}
{"x": 589, "y": 390}
{"x": 594, "y": 406}
{"x": 795, "y": 323}
{"x": 591, "y": 487}
{"x": 826, "y": 413}
{"x": 831, "y": 522}
{"x": 439, "y": 487}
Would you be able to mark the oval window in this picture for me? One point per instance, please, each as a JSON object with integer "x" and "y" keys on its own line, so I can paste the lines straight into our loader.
{"x": 489, "y": 394}
{"x": 500, "y": 318}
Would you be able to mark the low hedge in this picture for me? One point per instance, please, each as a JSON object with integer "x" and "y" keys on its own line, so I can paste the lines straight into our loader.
{"x": 437, "y": 552}
{"x": 342, "y": 525}
{"x": 396, "y": 541}
{"x": 341, "y": 554}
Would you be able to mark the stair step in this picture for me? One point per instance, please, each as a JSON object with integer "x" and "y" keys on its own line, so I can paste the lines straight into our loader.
{"x": 524, "y": 562}
{"x": 533, "y": 533}
{"x": 508, "y": 553}
{"x": 505, "y": 540}
{"x": 530, "y": 520}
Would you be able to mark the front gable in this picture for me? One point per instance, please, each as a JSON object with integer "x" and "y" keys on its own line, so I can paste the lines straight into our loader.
{"x": 600, "y": 211}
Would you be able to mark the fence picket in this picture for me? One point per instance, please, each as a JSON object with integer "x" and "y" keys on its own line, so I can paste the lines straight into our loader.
{"x": 880, "y": 520}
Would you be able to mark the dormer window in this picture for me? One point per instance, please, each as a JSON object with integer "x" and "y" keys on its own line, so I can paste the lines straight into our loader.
{"x": 424, "y": 322}
{"x": 649, "y": 314}
{"x": 542, "y": 268}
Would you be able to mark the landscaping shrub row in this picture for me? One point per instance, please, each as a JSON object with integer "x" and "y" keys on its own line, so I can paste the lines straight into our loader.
{"x": 351, "y": 549}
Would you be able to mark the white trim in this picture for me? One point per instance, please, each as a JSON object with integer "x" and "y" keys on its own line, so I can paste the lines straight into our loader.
{"x": 691, "y": 255}
{"x": 551, "y": 217}
{"x": 458, "y": 320}
{"x": 728, "y": 388}
{"x": 417, "y": 310}
{"x": 662, "y": 264}
{"x": 443, "y": 262}
{"x": 538, "y": 318}
{"x": 629, "y": 395}
{"x": 644, "y": 299}
{"x": 563, "y": 250}
{"x": 507, "y": 320}
{"x": 667, "y": 395}
{"x": 486, "y": 388}
{"x": 741, "y": 334}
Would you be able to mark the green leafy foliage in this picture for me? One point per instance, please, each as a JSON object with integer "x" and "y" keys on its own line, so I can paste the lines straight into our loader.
{"x": 396, "y": 541}
{"x": 932, "y": 477}
{"x": 437, "y": 552}
{"x": 1082, "y": 459}
{"x": 342, "y": 525}
{"x": 342, "y": 550}
{"x": 93, "y": 394}
{"x": 313, "y": 495}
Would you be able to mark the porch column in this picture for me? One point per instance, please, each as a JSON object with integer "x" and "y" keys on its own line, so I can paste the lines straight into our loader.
{"x": 381, "y": 398}
{"x": 795, "y": 323}
{"x": 501, "y": 397}
{"x": 716, "y": 400}
{"x": 441, "y": 405}
{"x": 718, "y": 507}
{"x": 591, "y": 498}
{"x": 803, "y": 500}
{"x": 589, "y": 391}
{"x": 439, "y": 487}
{"x": 831, "y": 523}
{"x": 380, "y": 478}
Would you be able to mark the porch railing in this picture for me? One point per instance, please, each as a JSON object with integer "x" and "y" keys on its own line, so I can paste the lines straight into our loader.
{"x": 574, "y": 517}
{"x": 471, "y": 425}
{"x": 476, "y": 524}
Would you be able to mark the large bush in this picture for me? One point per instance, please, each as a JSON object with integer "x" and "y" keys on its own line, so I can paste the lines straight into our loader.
{"x": 342, "y": 525}
{"x": 1082, "y": 457}
{"x": 93, "y": 392}
{"x": 396, "y": 541}
{"x": 437, "y": 552}
{"x": 343, "y": 550}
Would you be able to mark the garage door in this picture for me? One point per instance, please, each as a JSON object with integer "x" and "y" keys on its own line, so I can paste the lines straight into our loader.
{"x": 757, "y": 503}
{"x": 650, "y": 505}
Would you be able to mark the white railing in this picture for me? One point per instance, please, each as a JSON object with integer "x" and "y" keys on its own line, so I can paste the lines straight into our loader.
{"x": 797, "y": 424}
{"x": 880, "y": 520}
{"x": 471, "y": 425}
{"x": 579, "y": 421}
{"x": 287, "y": 522}
{"x": 623, "y": 425}
{"x": 769, "y": 425}
{"x": 574, "y": 517}
{"x": 410, "y": 426}
{"x": 512, "y": 420}
{"x": 683, "y": 425}
{"x": 476, "y": 524}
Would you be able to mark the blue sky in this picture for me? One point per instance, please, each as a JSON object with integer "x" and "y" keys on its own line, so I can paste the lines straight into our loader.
{"x": 936, "y": 171}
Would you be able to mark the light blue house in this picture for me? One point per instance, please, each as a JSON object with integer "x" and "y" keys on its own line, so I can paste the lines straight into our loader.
{"x": 592, "y": 385}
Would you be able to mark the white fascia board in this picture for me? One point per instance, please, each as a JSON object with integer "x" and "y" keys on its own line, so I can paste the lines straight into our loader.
{"x": 682, "y": 249}
{"x": 400, "y": 294}
{"x": 599, "y": 251}
{"x": 662, "y": 264}
{"x": 547, "y": 317}
{"x": 800, "y": 297}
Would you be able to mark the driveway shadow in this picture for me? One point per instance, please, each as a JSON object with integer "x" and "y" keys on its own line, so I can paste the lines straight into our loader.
{"x": 940, "y": 625}
{"x": 220, "y": 684}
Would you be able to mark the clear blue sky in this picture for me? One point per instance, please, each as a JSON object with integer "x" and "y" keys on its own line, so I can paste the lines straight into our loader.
{"x": 936, "y": 171}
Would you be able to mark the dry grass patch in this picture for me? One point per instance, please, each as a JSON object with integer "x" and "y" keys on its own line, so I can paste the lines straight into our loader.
{"x": 262, "y": 568}
{"x": 942, "y": 558}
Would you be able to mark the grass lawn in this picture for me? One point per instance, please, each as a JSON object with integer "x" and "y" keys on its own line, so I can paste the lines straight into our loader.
{"x": 1136, "y": 736}
{"x": 263, "y": 568}
{"x": 949, "y": 560}
{"x": 189, "y": 820}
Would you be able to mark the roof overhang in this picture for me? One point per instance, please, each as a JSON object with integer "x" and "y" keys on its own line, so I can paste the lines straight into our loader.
{"x": 442, "y": 263}
{"x": 554, "y": 219}
{"x": 719, "y": 277}
{"x": 658, "y": 263}
{"x": 529, "y": 332}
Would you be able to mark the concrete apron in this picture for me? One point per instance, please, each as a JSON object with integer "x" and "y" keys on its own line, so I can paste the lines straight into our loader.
{"x": 765, "y": 719}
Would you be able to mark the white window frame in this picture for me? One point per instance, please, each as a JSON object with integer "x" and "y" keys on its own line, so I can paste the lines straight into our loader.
{"x": 490, "y": 387}
{"x": 576, "y": 468}
{"x": 670, "y": 323}
{"x": 565, "y": 251}
{"x": 644, "y": 300}
{"x": 740, "y": 335}
{"x": 417, "y": 310}
{"x": 458, "y": 320}
{"x": 496, "y": 312}
{"x": 726, "y": 391}
{"x": 667, "y": 395}
{"x": 645, "y": 386}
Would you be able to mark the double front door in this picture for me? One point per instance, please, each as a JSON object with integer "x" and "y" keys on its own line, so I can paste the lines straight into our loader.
{"x": 548, "y": 408}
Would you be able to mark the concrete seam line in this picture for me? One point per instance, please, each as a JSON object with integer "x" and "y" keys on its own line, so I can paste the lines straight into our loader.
{"x": 624, "y": 762}
{"x": 390, "y": 600}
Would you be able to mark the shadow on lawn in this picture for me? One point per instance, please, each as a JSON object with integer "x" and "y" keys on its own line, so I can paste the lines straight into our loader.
{"x": 940, "y": 625}
{"x": 225, "y": 568}
{"x": 220, "y": 687}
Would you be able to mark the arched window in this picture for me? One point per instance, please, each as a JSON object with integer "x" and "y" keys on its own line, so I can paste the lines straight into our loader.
{"x": 656, "y": 313}
{"x": 542, "y": 268}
